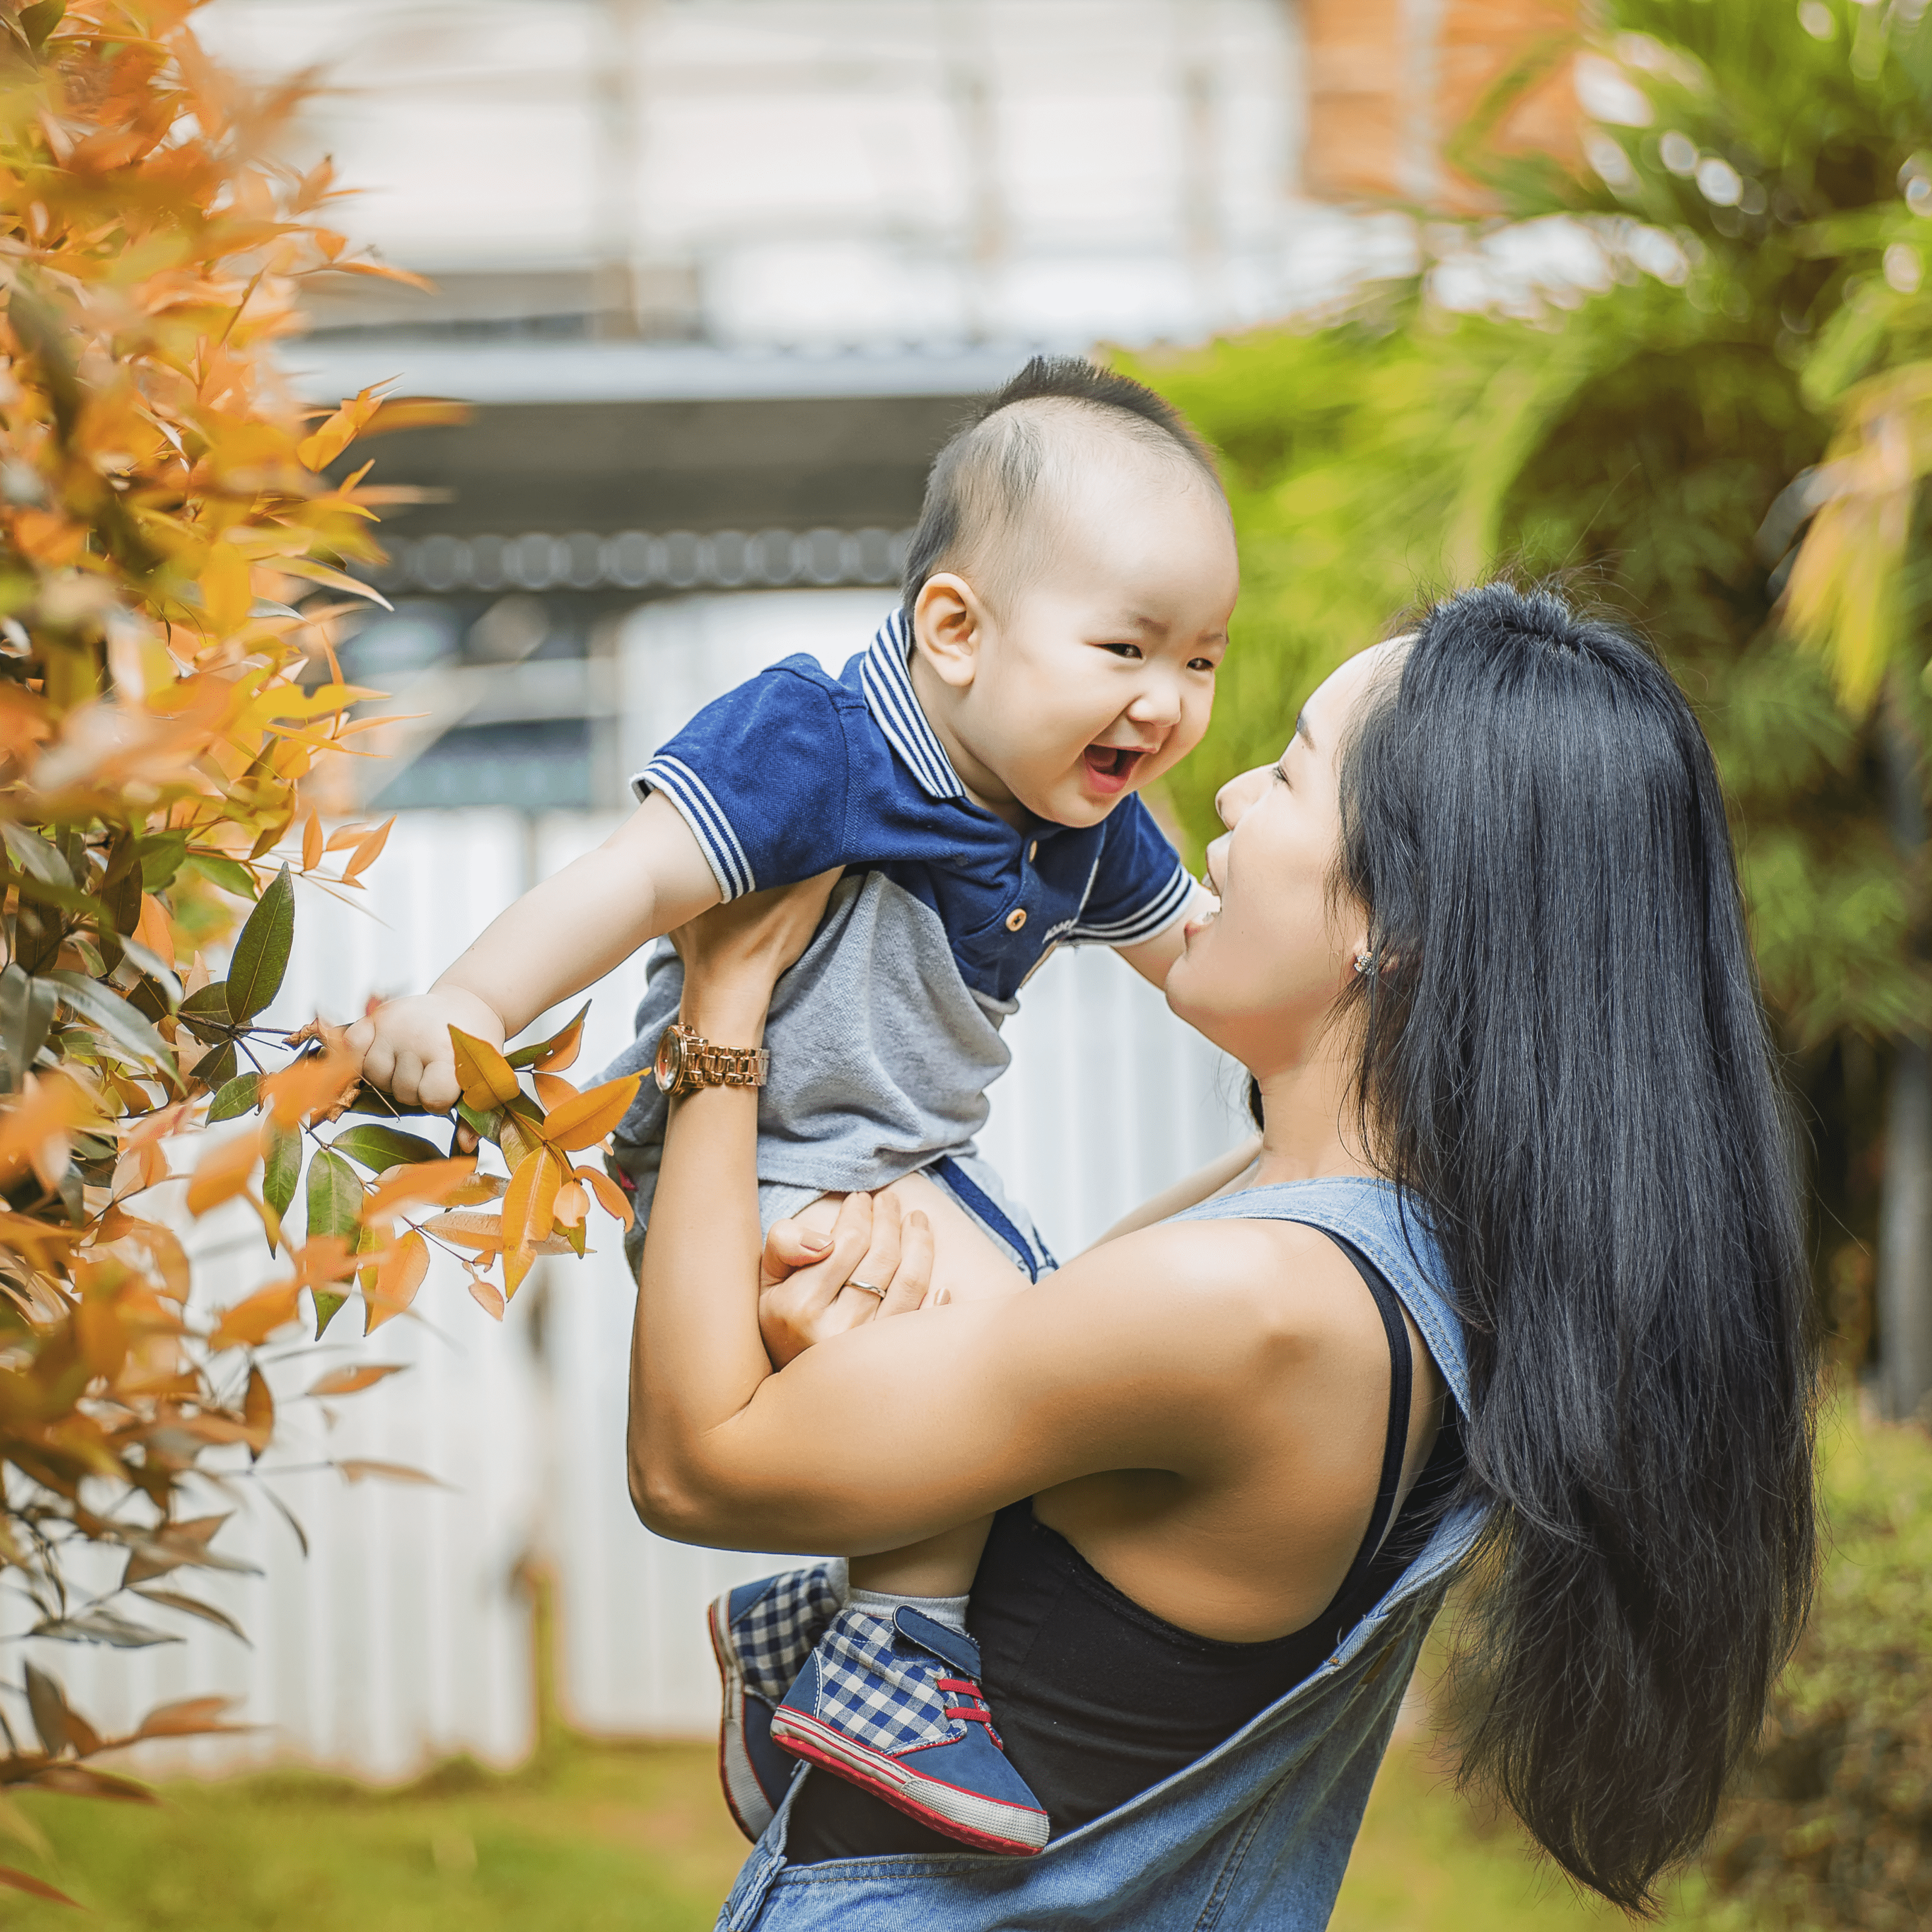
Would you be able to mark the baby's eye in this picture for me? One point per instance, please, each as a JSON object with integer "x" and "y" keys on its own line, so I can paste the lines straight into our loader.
{"x": 1131, "y": 653}
{"x": 1201, "y": 664}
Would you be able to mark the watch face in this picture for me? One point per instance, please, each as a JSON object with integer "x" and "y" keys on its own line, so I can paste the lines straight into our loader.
{"x": 670, "y": 1061}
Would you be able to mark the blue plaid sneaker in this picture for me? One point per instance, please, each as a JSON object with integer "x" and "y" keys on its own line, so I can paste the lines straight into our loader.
{"x": 760, "y": 1634}
{"x": 895, "y": 1707}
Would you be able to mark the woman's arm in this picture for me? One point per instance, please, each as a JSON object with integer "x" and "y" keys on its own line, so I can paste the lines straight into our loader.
{"x": 1150, "y": 1357}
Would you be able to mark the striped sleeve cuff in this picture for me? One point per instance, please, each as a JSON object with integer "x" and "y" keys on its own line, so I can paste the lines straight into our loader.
{"x": 1159, "y": 912}
{"x": 700, "y": 811}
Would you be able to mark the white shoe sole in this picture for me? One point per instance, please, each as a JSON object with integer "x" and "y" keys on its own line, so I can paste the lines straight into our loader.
{"x": 744, "y": 1797}
{"x": 973, "y": 1819}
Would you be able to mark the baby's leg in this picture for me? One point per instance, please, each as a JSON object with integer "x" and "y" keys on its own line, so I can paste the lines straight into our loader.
{"x": 968, "y": 1265}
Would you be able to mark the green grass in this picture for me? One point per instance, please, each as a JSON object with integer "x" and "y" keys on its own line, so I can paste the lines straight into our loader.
{"x": 615, "y": 1838}
{"x": 610, "y": 1838}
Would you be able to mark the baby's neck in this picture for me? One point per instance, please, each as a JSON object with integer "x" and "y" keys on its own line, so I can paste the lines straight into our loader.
{"x": 984, "y": 785}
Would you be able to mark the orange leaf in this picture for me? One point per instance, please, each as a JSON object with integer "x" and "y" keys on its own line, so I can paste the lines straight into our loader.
{"x": 573, "y": 1203}
{"x": 310, "y": 1085}
{"x": 226, "y": 594}
{"x": 564, "y": 1048}
{"x": 258, "y": 1414}
{"x": 40, "y": 1889}
{"x": 370, "y": 850}
{"x": 187, "y": 1717}
{"x": 223, "y": 1172}
{"x": 610, "y": 1197}
{"x": 552, "y": 1090}
{"x": 486, "y": 1296}
{"x": 467, "y": 1228}
{"x": 398, "y": 1275}
{"x": 353, "y": 1381}
{"x": 529, "y": 1208}
{"x": 346, "y": 835}
{"x": 357, "y": 1468}
{"x": 424, "y": 1180}
{"x": 312, "y": 842}
{"x": 584, "y": 1121}
{"x": 319, "y": 448}
{"x": 487, "y": 1079}
{"x": 255, "y": 1318}
{"x": 155, "y": 930}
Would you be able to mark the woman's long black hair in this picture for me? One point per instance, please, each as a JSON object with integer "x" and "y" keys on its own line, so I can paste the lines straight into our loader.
{"x": 1564, "y": 1055}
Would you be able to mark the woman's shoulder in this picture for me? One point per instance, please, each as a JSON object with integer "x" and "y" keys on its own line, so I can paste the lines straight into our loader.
{"x": 1259, "y": 1280}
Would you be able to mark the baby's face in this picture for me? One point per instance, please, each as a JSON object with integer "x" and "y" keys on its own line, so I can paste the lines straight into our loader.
{"x": 1097, "y": 674}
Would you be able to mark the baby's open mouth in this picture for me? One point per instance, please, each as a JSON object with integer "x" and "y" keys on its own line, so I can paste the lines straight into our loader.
{"x": 1113, "y": 765}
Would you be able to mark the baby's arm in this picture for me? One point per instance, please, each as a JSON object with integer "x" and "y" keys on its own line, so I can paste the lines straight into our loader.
{"x": 649, "y": 876}
{"x": 1152, "y": 958}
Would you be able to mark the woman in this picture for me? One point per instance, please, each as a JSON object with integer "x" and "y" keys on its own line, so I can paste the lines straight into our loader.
{"x": 1479, "y": 947}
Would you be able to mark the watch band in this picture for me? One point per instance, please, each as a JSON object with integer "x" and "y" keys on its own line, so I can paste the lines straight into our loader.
{"x": 709, "y": 1065}
{"x": 686, "y": 1060}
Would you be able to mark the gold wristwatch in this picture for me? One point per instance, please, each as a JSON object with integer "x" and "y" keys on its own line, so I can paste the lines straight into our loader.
{"x": 686, "y": 1060}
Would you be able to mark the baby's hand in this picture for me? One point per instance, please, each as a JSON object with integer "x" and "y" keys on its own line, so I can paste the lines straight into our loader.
{"x": 405, "y": 1049}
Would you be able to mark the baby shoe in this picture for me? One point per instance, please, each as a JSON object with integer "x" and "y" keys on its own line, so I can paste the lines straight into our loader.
{"x": 761, "y": 1634}
{"x": 894, "y": 1705}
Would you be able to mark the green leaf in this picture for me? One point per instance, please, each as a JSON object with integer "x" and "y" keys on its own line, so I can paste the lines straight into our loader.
{"x": 204, "y": 1014}
{"x": 334, "y": 1197}
{"x": 38, "y": 21}
{"x": 230, "y": 874}
{"x": 281, "y": 1170}
{"x": 39, "y": 858}
{"x": 485, "y": 1124}
{"x": 26, "y": 1012}
{"x": 327, "y": 1301}
{"x": 237, "y": 1097}
{"x": 114, "y": 1016}
{"x": 377, "y": 1148}
{"x": 218, "y": 1068}
{"x": 161, "y": 855}
{"x": 262, "y": 950}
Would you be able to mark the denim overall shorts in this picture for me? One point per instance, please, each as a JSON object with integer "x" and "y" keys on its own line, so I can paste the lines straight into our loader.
{"x": 1255, "y": 1835}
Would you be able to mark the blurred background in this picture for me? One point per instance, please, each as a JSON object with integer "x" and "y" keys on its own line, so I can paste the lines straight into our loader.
{"x": 1629, "y": 291}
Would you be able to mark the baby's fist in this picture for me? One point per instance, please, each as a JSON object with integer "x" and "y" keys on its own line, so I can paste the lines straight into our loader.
{"x": 406, "y": 1050}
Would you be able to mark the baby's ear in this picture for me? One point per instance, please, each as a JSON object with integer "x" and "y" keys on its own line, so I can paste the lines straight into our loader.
{"x": 949, "y": 625}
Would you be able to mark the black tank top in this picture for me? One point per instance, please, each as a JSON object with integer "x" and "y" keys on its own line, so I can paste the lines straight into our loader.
{"x": 1096, "y": 1698}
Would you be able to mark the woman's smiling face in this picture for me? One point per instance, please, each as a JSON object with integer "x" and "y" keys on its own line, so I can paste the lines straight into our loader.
{"x": 1259, "y": 977}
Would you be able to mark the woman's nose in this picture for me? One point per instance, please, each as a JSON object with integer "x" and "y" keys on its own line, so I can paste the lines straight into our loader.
{"x": 1237, "y": 795}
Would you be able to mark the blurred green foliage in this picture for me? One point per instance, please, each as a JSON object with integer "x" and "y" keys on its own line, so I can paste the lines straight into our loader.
{"x": 1624, "y": 396}
{"x": 1834, "y": 1828}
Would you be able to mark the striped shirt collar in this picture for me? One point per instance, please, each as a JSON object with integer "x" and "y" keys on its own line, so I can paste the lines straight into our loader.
{"x": 886, "y": 678}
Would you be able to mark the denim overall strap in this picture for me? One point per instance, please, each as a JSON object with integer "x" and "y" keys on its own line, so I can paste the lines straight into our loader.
{"x": 1255, "y": 1834}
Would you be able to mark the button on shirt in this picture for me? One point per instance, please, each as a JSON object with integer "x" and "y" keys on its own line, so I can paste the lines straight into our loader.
{"x": 886, "y": 1035}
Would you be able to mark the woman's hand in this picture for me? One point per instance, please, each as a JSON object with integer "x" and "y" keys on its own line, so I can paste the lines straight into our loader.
{"x": 808, "y": 1283}
{"x": 736, "y": 952}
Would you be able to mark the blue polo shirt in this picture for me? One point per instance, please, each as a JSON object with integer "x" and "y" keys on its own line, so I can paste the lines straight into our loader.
{"x": 796, "y": 772}
{"x": 885, "y": 1036}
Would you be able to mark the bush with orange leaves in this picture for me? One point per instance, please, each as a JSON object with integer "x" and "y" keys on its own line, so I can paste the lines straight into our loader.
{"x": 171, "y": 554}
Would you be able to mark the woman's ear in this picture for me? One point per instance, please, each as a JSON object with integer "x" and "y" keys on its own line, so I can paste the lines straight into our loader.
{"x": 949, "y": 625}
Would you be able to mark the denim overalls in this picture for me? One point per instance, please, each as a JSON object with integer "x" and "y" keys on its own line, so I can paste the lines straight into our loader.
{"x": 1257, "y": 1833}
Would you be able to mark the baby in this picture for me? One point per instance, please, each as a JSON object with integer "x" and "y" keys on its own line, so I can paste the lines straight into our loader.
{"x": 1066, "y": 601}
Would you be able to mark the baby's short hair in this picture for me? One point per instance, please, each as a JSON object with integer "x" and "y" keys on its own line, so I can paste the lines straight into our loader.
{"x": 992, "y": 472}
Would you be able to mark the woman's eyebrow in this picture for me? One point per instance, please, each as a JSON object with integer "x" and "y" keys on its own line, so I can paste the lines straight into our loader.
{"x": 1302, "y": 731}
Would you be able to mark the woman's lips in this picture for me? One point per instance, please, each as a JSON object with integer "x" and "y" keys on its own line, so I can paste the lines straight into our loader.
{"x": 1110, "y": 768}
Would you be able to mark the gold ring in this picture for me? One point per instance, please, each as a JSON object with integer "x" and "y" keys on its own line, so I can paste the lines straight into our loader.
{"x": 869, "y": 1288}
